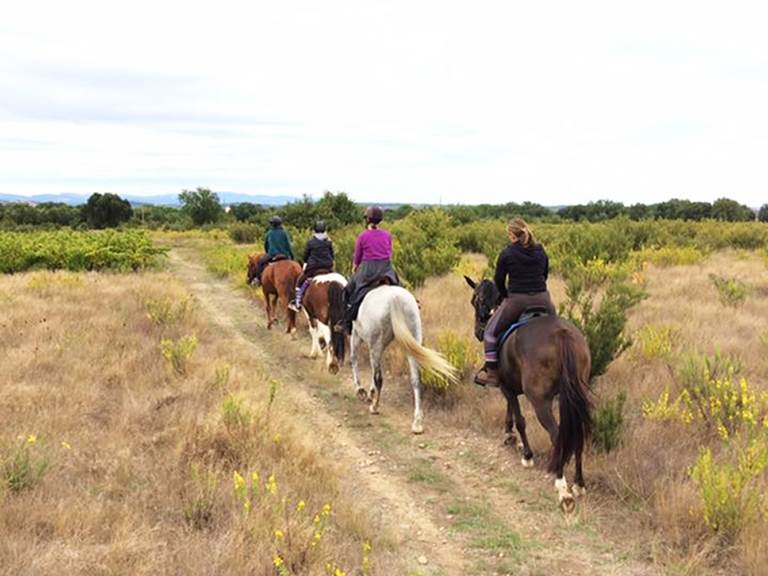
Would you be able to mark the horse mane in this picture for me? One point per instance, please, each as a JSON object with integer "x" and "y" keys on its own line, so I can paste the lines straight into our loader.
{"x": 330, "y": 277}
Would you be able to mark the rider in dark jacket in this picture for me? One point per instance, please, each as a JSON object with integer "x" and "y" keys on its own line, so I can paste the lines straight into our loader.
{"x": 276, "y": 243}
{"x": 524, "y": 262}
{"x": 318, "y": 259}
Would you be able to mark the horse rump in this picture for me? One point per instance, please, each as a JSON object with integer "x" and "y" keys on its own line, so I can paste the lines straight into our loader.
{"x": 575, "y": 417}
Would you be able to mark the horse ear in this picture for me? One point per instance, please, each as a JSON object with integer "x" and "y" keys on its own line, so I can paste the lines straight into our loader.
{"x": 472, "y": 283}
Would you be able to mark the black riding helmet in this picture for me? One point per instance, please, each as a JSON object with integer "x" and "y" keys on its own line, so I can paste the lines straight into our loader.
{"x": 275, "y": 221}
{"x": 374, "y": 215}
{"x": 319, "y": 227}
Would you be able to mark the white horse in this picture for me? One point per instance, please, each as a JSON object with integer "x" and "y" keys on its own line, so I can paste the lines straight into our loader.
{"x": 391, "y": 313}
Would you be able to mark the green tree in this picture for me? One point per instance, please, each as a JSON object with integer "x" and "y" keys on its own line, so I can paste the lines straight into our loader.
{"x": 202, "y": 205}
{"x": 247, "y": 211}
{"x": 762, "y": 215}
{"x": 731, "y": 211}
{"x": 106, "y": 210}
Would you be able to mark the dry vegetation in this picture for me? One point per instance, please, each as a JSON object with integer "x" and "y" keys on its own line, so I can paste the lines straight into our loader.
{"x": 683, "y": 318}
{"x": 119, "y": 455}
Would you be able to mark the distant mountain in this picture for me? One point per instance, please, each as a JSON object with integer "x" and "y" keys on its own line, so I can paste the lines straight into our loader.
{"x": 158, "y": 200}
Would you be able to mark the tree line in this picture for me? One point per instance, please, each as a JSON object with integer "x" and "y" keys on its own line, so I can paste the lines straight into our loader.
{"x": 202, "y": 207}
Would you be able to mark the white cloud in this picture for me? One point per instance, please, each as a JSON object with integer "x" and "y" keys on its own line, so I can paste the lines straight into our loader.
{"x": 399, "y": 101}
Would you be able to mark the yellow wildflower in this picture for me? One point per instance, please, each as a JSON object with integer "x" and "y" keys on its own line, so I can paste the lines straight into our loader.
{"x": 277, "y": 561}
{"x": 239, "y": 481}
{"x": 271, "y": 485}
{"x": 32, "y": 438}
{"x": 66, "y": 445}
{"x": 326, "y": 509}
{"x": 279, "y": 534}
{"x": 300, "y": 506}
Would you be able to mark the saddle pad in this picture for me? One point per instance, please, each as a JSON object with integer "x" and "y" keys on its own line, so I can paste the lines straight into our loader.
{"x": 525, "y": 317}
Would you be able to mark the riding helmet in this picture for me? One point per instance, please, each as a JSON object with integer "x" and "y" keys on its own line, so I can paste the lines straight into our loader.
{"x": 275, "y": 220}
{"x": 374, "y": 214}
{"x": 319, "y": 226}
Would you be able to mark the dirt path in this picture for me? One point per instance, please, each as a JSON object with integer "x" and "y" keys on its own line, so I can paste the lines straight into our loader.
{"x": 458, "y": 503}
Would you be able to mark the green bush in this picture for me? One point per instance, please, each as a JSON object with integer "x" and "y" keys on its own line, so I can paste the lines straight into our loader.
{"x": 242, "y": 233}
{"x": 732, "y": 291}
{"x": 460, "y": 352}
{"x": 730, "y": 491}
{"x": 598, "y": 299}
{"x": 424, "y": 246}
{"x": 608, "y": 423}
{"x": 23, "y": 466}
{"x": 65, "y": 249}
{"x": 179, "y": 352}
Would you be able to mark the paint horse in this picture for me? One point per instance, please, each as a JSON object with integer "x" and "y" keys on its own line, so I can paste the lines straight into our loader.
{"x": 542, "y": 358}
{"x": 387, "y": 314}
{"x": 317, "y": 308}
{"x": 278, "y": 284}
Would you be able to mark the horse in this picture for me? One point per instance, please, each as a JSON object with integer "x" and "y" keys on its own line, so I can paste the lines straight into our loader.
{"x": 542, "y": 358}
{"x": 317, "y": 308}
{"x": 278, "y": 284}
{"x": 387, "y": 314}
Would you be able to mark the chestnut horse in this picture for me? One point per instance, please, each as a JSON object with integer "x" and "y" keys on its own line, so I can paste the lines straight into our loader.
{"x": 317, "y": 308}
{"x": 545, "y": 357}
{"x": 278, "y": 284}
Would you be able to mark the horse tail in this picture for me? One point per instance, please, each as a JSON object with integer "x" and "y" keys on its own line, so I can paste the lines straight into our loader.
{"x": 575, "y": 418}
{"x": 335, "y": 316}
{"x": 426, "y": 357}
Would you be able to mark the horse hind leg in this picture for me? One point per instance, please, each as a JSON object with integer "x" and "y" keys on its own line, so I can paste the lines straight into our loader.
{"x": 354, "y": 348}
{"x": 564, "y": 495}
{"x": 578, "y": 481}
{"x": 527, "y": 459}
{"x": 377, "y": 381}
{"x": 313, "y": 332}
{"x": 418, "y": 416}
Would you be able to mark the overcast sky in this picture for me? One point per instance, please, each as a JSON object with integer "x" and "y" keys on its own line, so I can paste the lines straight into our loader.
{"x": 413, "y": 101}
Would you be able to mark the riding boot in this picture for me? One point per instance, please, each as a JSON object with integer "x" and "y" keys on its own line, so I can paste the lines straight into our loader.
{"x": 488, "y": 376}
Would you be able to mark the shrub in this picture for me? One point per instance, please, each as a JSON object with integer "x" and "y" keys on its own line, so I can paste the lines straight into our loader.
{"x": 668, "y": 256}
{"x": 65, "y": 249}
{"x": 234, "y": 414}
{"x": 730, "y": 491}
{"x": 245, "y": 233}
{"x": 165, "y": 312}
{"x": 198, "y": 497}
{"x": 424, "y": 246}
{"x": 179, "y": 352}
{"x": 460, "y": 352}
{"x": 598, "y": 299}
{"x": 654, "y": 341}
{"x": 23, "y": 466}
{"x": 608, "y": 423}
{"x": 732, "y": 291}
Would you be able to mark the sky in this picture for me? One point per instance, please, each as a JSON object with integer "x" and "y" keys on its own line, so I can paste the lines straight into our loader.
{"x": 393, "y": 101}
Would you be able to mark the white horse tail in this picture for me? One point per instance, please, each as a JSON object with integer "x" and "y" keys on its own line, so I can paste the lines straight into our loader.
{"x": 426, "y": 357}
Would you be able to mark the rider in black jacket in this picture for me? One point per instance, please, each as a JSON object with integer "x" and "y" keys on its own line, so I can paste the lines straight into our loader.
{"x": 318, "y": 259}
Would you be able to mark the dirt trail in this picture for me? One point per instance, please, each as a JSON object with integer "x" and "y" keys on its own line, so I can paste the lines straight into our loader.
{"x": 459, "y": 501}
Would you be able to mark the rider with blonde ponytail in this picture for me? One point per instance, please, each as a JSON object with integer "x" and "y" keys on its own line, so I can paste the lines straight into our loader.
{"x": 521, "y": 279}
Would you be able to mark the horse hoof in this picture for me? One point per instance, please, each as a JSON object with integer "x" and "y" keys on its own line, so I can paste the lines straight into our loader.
{"x": 362, "y": 395}
{"x": 578, "y": 491}
{"x": 373, "y": 409}
{"x": 333, "y": 369}
{"x": 510, "y": 440}
{"x": 527, "y": 462}
{"x": 567, "y": 504}
{"x": 417, "y": 428}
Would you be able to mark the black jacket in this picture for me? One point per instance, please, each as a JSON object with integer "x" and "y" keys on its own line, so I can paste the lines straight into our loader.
{"x": 319, "y": 254}
{"x": 526, "y": 267}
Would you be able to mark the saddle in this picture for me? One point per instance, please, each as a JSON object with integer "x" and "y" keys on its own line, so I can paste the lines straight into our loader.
{"x": 528, "y": 314}
{"x": 277, "y": 258}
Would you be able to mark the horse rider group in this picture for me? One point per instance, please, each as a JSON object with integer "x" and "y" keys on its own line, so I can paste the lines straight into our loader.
{"x": 521, "y": 275}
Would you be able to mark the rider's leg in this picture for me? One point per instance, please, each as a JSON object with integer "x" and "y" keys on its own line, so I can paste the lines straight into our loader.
{"x": 500, "y": 321}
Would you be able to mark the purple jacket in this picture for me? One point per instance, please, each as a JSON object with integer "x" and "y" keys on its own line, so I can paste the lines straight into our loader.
{"x": 374, "y": 244}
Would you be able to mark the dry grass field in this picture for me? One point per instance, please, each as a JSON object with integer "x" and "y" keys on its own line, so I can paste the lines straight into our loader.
{"x": 126, "y": 449}
{"x": 140, "y": 436}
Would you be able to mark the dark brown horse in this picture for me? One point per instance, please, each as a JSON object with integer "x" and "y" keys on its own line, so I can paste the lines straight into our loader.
{"x": 541, "y": 359}
{"x": 317, "y": 308}
{"x": 278, "y": 284}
